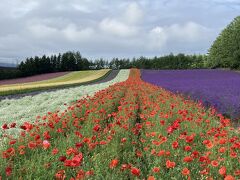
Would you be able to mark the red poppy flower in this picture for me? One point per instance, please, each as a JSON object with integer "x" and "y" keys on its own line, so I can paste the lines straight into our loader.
{"x": 12, "y": 142}
{"x": 170, "y": 130}
{"x": 46, "y": 144}
{"x": 10, "y": 151}
{"x": 32, "y": 145}
{"x": 187, "y": 148}
{"x": 156, "y": 169}
{"x": 46, "y": 135}
{"x": 96, "y": 128}
{"x": 233, "y": 154}
{"x": 12, "y": 125}
{"x": 162, "y": 122}
{"x": 135, "y": 171}
{"x": 185, "y": 171}
{"x": 229, "y": 177}
{"x": 237, "y": 172}
{"x": 170, "y": 164}
{"x": 55, "y": 151}
{"x": 89, "y": 173}
{"x": 138, "y": 153}
{"x": 113, "y": 163}
{"x": 62, "y": 158}
{"x": 60, "y": 175}
{"x": 175, "y": 144}
{"x": 195, "y": 154}
{"x": 150, "y": 178}
{"x": 78, "y": 145}
{"x": 5, "y": 126}
{"x": 37, "y": 137}
{"x": 222, "y": 171}
{"x": 222, "y": 141}
{"x": 75, "y": 161}
{"x": 190, "y": 138}
{"x": 161, "y": 153}
{"x": 204, "y": 172}
{"x": 187, "y": 159}
{"x": 222, "y": 149}
{"x": 8, "y": 171}
{"x": 125, "y": 166}
{"x": 80, "y": 174}
{"x": 71, "y": 151}
{"x": 123, "y": 140}
{"x": 214, "y": 163}
{"x": 209, "y": 145}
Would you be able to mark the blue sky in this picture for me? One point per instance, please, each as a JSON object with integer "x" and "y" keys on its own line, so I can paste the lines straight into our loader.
{"x": 104, "y": 28}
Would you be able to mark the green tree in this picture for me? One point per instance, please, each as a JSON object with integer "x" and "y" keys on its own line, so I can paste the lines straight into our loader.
{"x": 225, "y": 49}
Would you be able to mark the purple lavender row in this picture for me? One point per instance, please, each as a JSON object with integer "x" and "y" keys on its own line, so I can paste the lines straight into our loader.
{"x": 217, "y": 88}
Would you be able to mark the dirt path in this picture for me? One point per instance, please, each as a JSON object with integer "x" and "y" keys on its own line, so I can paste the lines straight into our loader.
{"x": 110, "y": 77}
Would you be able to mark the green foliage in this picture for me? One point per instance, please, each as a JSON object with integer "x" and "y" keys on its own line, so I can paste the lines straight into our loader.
{"x": 69, "y": 61}
{"x": 225, "y": 51}
{"x": 8, "y": 73}
{"x": 180, "y": 61}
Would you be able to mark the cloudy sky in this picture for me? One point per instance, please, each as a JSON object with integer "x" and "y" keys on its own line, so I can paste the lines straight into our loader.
{"x": 107, "y": 28}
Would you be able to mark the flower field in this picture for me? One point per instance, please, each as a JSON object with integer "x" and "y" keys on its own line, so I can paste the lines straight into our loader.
{"x": 40, "y": 77}
{"x": 72, "y": 78}
{"x": 29, "y": 107}
{"x": 217, "y": 88}
{"x": 131, "y": 130}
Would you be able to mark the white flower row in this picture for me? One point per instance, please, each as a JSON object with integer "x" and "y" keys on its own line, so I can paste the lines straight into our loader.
{"x": 28, "y": 107}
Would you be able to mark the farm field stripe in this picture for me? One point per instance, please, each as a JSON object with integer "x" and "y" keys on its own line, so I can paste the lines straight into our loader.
{"x": 217, "y": 88}
{"x": 29, "y": 107}
{"x": 107, "y": 77}
{"x": 71, "y": 79}
{"x": 34, "y": 78}
{"x": 130, "y": 130}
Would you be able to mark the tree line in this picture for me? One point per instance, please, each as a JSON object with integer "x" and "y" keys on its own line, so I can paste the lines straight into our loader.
{"x": 73, "y": 61}
{"x": 69, "y": 61}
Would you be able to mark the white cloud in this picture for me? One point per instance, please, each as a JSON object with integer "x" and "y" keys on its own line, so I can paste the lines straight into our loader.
{"x": 74, "y": 34}
{"x": 129, "y": 28}
{"x": 226, "y": 1}
{"x": 117, "y": 28}
{"x": 133, "y": 14}
{"x": 81, "y": 8}
{"x": 189, "y": 32}
{"x": 42, "y": 31}
{"x": 157, "y": 37}
{"x": 123, "y": 24}
{"x": 17, "y": 8}
{"x": 71, "y": 32}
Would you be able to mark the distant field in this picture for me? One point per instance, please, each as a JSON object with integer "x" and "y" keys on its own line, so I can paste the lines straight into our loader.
{"x": 34, "y": 78}
{"x": 69, "y": 79}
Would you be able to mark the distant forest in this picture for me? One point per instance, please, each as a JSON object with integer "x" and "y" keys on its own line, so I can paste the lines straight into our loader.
{"x": 73, "y": 61}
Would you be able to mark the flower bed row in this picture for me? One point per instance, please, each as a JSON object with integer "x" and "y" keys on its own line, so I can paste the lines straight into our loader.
{"x": 217, "y": 88}
{"x": 68, "y": 80}
{"x": 29, "y": 107}
{"x": 129, "y": 130}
